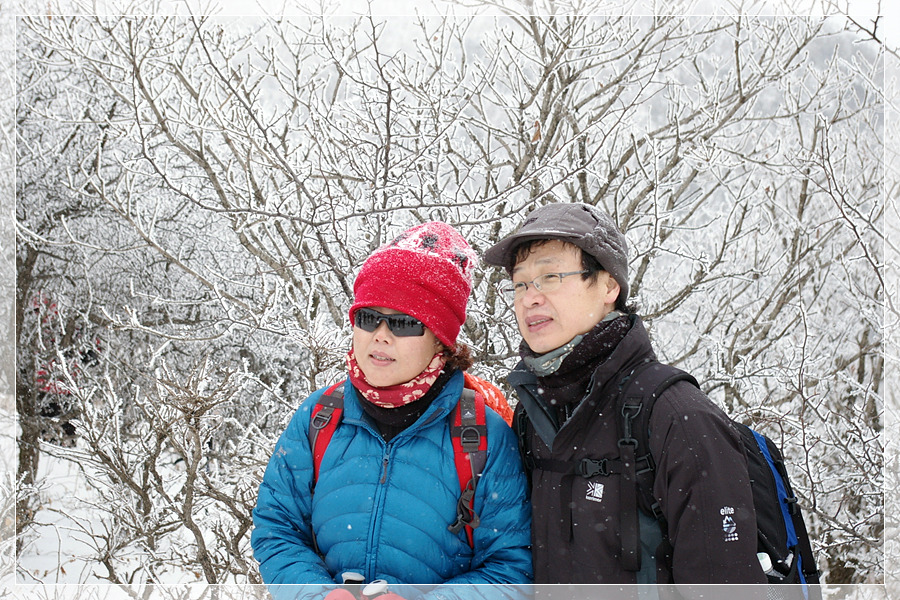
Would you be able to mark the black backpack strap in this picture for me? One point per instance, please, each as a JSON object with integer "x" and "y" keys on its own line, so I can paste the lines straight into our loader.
{"x": 546, "y": 425}
{"x": 520, "y": 426}
{"x": 810, "y": 571}
{"x": 587, "y": 468}
{"x": 633, "y": 408}
{"x": 542, "y": 419}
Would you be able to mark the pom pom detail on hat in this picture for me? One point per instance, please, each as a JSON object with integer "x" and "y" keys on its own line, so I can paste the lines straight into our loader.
{"x": 425, "y": 272}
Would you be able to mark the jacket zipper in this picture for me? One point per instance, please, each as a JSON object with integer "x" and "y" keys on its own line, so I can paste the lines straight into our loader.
{"x": 384, "y": 465}
{"x": 377, "y": 510}
{"x": 378, "y": 502}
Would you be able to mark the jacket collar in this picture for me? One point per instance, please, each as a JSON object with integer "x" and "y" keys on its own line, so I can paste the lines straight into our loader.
{"x": 441, "y": 406}
{"x": 633, "y": 349}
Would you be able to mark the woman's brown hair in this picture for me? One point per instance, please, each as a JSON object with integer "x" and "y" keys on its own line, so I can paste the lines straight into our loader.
{"x": 459, "y": 357}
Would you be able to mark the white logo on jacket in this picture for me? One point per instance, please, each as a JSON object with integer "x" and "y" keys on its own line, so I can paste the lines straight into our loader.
{"x": 594, "y": 492}
{"x": 728, "y": 524}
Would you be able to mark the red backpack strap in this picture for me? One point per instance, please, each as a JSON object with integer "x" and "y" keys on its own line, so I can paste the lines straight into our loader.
{"x": 468, "y": 432}
{"x": 326, "y": 416}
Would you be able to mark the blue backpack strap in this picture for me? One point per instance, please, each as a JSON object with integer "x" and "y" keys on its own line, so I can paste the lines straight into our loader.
{"x": 795, "y": 527}
{"x": 468, "y": 432}
{"x": 787, "y": 499}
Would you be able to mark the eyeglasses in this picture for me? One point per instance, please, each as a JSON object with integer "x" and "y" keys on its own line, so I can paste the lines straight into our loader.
{"x": 545, "y": 283}
{"x": 369, "y": 320}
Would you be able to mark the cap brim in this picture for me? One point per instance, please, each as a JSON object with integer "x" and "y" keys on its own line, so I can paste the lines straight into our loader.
{"x": 500, "y": 254}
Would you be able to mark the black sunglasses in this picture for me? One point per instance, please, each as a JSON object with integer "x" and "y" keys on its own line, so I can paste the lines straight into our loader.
{"x": 400, "y": 325}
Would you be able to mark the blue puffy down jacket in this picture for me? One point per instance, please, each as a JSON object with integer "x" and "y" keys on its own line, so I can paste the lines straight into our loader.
{"x": 382, "y": 509}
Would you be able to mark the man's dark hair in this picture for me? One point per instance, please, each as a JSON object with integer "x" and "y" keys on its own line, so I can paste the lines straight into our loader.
{"x": 588, "y": 263}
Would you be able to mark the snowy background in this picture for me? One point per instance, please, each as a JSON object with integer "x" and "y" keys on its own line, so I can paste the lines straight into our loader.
{"x": 193, "y": 196}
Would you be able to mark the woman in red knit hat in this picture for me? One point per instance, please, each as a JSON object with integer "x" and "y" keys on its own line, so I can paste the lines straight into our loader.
{"x": 393, "y": 499}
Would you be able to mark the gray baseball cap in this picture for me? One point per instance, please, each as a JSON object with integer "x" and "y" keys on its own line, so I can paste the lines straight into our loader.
{"x": 583, "y": 225}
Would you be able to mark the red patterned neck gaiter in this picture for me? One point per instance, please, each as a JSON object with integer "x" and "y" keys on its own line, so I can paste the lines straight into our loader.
{"x": 395, "y": 395}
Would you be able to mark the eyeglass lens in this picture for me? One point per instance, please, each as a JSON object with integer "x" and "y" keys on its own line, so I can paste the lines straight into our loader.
{"x": 547, "y": 282}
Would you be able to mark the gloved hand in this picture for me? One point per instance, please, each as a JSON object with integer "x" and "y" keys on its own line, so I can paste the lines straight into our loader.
{"x": 340, "y": 594}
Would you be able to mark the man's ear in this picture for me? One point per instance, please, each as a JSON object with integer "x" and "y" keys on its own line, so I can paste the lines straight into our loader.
{"x": 612, "y": 290}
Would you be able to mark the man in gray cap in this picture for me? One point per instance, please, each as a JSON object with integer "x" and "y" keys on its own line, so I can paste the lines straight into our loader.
{"x": 581, "y": 342}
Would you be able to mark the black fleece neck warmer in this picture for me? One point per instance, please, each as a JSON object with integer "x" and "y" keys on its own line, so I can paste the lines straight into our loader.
{"x": 392, "y": 421}
{"x": 568, "y": 384}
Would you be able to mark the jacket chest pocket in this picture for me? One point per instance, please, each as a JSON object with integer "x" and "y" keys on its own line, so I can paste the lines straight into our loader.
{"x": 594, "y": 513}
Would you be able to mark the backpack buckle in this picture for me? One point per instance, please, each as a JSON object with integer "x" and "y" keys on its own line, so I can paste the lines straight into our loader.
{"x": 465, "y": 516}
{"x": 629, "y": 414}
{"x": 645, "y": 464}
{"x": 793, "y": 505}
{"x": 589, "y": 467}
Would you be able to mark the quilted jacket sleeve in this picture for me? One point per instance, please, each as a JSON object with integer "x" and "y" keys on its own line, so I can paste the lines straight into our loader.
{"x": 281, "y": 538}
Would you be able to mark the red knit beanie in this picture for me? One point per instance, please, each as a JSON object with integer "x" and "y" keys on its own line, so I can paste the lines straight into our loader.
{"x": 426, "y": 273}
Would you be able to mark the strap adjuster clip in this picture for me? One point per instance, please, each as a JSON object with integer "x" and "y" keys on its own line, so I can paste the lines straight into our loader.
{"x": 322, "y": 418}
{"x": 470, "y": 438}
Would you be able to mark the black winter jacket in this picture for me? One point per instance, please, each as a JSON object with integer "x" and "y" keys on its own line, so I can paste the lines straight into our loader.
{"x": 701, "y": 477}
